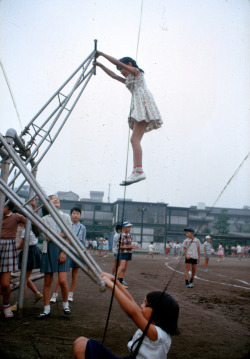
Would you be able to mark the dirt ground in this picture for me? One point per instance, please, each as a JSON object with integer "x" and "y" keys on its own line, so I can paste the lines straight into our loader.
{"x": 214, "y": 315}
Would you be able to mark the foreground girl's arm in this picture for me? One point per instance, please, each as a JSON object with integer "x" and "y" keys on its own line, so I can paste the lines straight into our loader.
{"x": 129, "y": 305}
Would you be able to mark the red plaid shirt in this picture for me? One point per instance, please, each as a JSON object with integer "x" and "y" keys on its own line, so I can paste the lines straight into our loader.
{"x": 126, "y": 240}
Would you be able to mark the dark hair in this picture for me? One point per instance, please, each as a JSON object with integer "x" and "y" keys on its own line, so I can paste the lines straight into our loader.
{"x": 165, "y": 311}
{"x": 35, "y": 230}
{"x": 10, "y": 205}
{"x": 77, "y": 209}
{"x": 118, "y": 227}
{"x": 126, "y": 60}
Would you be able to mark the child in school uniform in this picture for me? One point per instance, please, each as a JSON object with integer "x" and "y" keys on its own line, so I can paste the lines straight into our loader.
{"x": 8, "y": 253}
{"x": 159, "y": 311}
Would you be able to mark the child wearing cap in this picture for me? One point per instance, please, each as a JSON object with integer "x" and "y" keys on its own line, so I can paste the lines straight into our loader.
{"x": 191, "y": 249}
{"x": 126, "y": 247}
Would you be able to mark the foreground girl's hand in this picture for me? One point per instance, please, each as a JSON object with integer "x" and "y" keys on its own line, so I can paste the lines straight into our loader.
{"x": 107, "y": 280}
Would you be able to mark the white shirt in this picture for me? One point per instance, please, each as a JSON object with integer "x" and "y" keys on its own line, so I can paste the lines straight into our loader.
{"x": 152, "y": 349}
{"x": 192, "y": 247}
{"x": 238, "y": 249}
{"x": 151, "y": 248}
{"x": 33, "y": 240}
{"x": 49, "y": 221}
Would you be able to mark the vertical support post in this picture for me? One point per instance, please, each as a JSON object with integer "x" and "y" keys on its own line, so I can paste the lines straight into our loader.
{"x": 166, "y": 233}
{"x": 143, "y": 209}
{"x": 95, "y": 55}
{"x": 20, "y": 299}
{"x": 5, "y": 165}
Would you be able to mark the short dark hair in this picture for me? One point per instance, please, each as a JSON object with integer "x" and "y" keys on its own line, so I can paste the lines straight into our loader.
{"x": 118, "y": 227}
{"x": 10, "y": 205}
{"x": 77, "y": 209}
{"x": 165, "y": 311}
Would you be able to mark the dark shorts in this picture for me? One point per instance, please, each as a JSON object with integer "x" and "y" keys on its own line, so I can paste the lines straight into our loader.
{"x": 116, "y": 256}
{"x": 191, "y": 261}
{"x": 94, "y": 350}
{"x": 126, "y": 256}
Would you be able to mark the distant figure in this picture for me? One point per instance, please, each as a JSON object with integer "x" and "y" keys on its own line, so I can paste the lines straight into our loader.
{"x": 220, "y": 253}
{"x": 238, "y": 249}
{"x": 207, "y": 252}
{"x": 150, "y": 250}
{"x": 167, "y": 250}
{"x": 144, "y": 115}
{"x": 192, "y": 252}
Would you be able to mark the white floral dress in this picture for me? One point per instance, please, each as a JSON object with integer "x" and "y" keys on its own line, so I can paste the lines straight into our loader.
{"x": 143, "y": 106}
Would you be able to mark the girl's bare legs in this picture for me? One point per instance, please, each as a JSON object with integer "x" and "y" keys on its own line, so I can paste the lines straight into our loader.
{"x": 5, "y": 286}
{"x": 138, "y": 132}
{"x": 74, "y": 279}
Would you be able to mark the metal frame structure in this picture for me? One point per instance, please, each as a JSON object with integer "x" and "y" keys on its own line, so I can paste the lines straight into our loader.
{"x": 17, "y": 154}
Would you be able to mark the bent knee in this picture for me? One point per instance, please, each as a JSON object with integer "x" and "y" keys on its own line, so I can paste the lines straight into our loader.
{"x": 79, "y": 346}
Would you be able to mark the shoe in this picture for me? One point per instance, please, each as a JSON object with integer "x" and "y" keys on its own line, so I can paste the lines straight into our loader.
{"x": 190, "y": 285}
{"x": 70, "y": 296}
{"x": 54, "y": 298}
{"x": 124, "y": 283}
{"x": 133, "y": 178}
{"x": 13, "y": 308}
{"x": 187, "y": 285}
{"x": 38, "y": 296}
{"x": 67, "y": 311}
{"x": 205, "y": 270}
{"x": 7, "y": 312}
{"x": 43, "y": 316}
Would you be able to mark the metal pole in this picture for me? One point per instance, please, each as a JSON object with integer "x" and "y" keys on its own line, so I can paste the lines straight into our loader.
{"x": 142, "y": 215}
{"x": 166, "y": 235}
{"x": 54, "y": 237}
{"x": 5, "y": 165}
{"x": 95, "y": 55}
{"x": 21, "y": 291}
{"x": 51, "y": 209}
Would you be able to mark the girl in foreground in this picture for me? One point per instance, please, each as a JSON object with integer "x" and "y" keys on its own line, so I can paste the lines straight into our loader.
{"x": 144, "y": 115}
{"x": 164, "y": 311}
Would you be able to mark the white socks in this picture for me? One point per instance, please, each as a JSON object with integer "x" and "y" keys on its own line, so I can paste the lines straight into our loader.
{"x": 65, "y": 305}
{"x": 46, "y": 309}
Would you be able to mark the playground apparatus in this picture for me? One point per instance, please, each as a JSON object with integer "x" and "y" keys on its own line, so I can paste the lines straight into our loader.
{"x": 21, "y": 155}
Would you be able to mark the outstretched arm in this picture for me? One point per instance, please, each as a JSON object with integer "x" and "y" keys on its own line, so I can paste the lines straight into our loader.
{"x": 129, "y": 305}
{"x": 133, "y": 70}
{"x": 109, "y": 72}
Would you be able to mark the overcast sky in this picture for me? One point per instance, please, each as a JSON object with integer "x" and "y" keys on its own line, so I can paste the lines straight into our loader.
{"x": 195, "y": 55}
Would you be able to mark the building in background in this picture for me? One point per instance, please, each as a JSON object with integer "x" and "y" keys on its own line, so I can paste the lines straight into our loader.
{"x": 159, "y": 222}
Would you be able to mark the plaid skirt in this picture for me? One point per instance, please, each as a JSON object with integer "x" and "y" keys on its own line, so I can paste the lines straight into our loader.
{"x": 8, "y": 255}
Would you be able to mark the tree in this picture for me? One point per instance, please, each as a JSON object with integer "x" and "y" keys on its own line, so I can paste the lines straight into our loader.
{"x": 221, "y": 225}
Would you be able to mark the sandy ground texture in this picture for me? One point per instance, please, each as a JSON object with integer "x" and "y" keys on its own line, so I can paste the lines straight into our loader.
{"x": 214, "y": 316}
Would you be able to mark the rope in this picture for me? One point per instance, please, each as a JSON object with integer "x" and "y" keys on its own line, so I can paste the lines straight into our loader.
{"x": 123, "y": 207}
{"x": 182, "y": 257}
{"x": 11, "y": 94}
